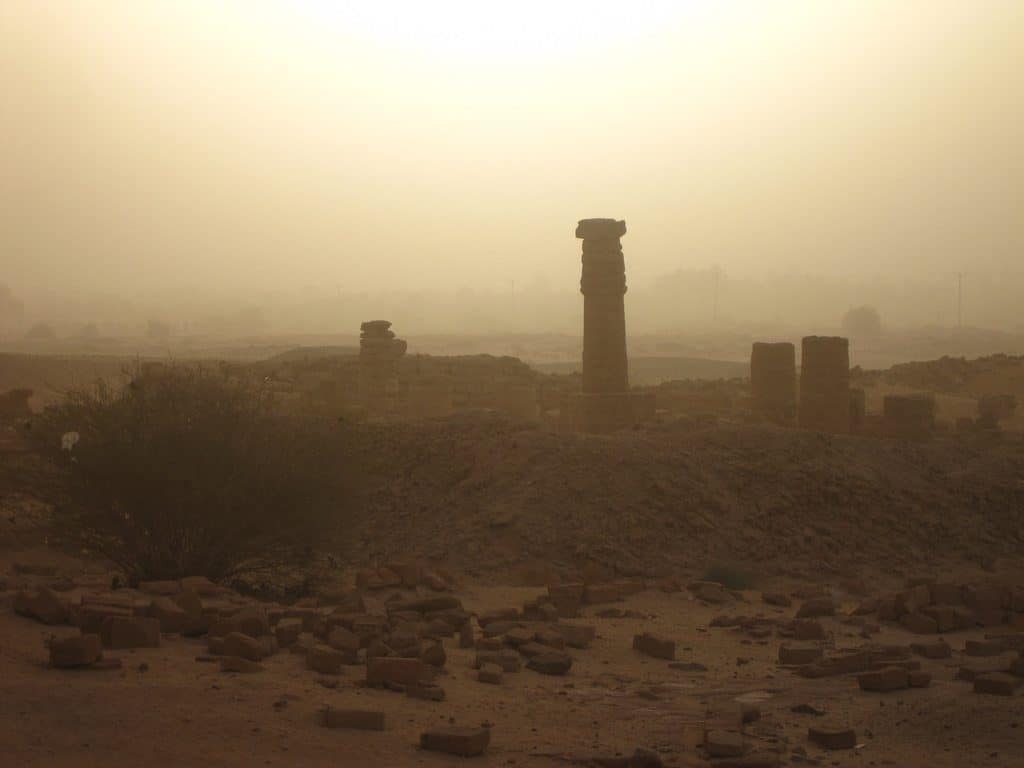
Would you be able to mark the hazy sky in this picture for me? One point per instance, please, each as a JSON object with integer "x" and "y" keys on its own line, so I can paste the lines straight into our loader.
{"x": 151, "y": 146}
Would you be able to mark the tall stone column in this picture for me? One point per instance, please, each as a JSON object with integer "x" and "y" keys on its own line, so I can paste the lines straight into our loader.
{"x": 604, "y": 404}
{"x": 825, "y": 384}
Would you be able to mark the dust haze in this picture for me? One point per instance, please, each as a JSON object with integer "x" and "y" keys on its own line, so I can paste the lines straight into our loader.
{"x": 551, "y": 384}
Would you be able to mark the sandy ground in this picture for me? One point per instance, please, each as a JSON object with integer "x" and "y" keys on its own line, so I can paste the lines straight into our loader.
{"x": 163, "y": 707}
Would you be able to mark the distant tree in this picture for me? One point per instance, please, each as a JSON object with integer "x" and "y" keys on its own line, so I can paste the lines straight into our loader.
{"x": 862, "y": 321}
{"x": 41, "y": 331}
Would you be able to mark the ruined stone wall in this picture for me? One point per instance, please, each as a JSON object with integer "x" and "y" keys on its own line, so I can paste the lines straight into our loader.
{"x": 773, "y": 380}
{"x": 825, "y": 384}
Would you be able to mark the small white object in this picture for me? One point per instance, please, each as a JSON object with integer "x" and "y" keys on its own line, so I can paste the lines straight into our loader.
{"x": 68, "y": 440}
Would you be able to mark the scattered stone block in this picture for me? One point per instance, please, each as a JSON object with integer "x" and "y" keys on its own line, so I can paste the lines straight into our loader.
{"x": 381, "y": 671}
{"x": 658, "y": 647}
{"x": 357, "y": 719}
{"x": 165, "y": 588}
{"x": 131, "y": 632}
{"x": 434, "y": 655}
{"x": 938, "y": 649}
{"x": 76, "y": 651}
{"x": 711, "y": 592}
{"x": 507, "y": 660}
{"x": 567, "y": 599}
{"x": 832, "y": 737}
{"x": 799, "y": 654}
{"x": 883, "y": 680}
{"x": 918, "y": 679}
{"x": 200, "y": 585}
{"x": 342, "y": 639}
{"x": 551, "y": 662}
{"x": 776, "y": 598}
{"x": 287, "y": 632}
{"x": 996, "y": 684}
{"x": 984, "y": 648}
{"x": 425, "y": 691}
{"x": 325, "y": 660}
{"x": 238, "y": 664}
{"x": 43, "y": 605}
{"x": 821, "y": 606}
{"x": 919, "y": 623}
{"x": 464, "y": 742}
{"x": 577, "y": 635}
{"x": 724, "y": 744}
{"x": 243, "y": 646}
{"x": 490, "y": 673}
{"x": 172, "y": 617}
{"x": 807, "y": 629}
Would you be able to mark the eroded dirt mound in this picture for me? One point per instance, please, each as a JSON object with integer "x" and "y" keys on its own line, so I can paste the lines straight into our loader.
{"x": 491, "y": 496}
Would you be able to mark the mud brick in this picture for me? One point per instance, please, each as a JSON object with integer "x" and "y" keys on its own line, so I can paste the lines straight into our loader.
{"x": 799, "y": 654}
{"x": 883, "y": 680}
{"x": 358, "y": 719}
{"x": 658, "y": 647}
{"x": 76, "y": 651}
{"x": 822, "y": 606}
{"x": 383, "y": 670}
{"x": 919, "y": 624}
{"x": 134, "y": 632}
{"x": 243, "y": 646}
{"x": 464, "y": 742}
{"x": 939, "y": 649}
{"x": 996, "y": 684}
{"x": 507, "y": 660}
{"x": 832, "y": 737}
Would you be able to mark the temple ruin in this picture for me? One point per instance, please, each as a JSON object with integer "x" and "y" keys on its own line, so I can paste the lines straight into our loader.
{"x": 825, "y": 384}
{"x": 773, "y": 380}
{"x": 604, "y": 404}
{"x": 379, "y": 352}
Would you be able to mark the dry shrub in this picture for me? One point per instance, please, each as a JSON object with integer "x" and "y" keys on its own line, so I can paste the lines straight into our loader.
{"x": 189, "y": 470}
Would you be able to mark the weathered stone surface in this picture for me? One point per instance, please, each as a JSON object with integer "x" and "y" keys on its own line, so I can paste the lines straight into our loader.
{"x": 919, "y": 623}
{"x": 918, "y": 679}
{"x": 133, "y": 632}
{"x": 358, "y": 719}
{"x": 425, "y": 691}
{"x": 434, "y": 655}
{"x": 466, "y": 638}
{"x": 165, "y": 588}
{"x": 658, "y": 647}
{"x": 776, "y": 598}
{"x": 711, "y": 592}
{"x": 577, "y": 635}
{"x": 201, "y": 585}
{"x": 342, "y": 639}
{"x": 832, "y": 737}
{"x": 984, "y": 648}
{"x": 76, "y": 651}
{"x": 567, "y": 598}
{"x": 464, "y": 742}
{"x": 383, "y": 670}
{"x": 807, "y": 629}
{"x": 287, "y": 632}
{"x": 251, "y": 621}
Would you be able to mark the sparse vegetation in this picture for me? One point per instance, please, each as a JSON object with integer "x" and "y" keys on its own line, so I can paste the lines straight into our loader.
{"x": 189, "y": 470}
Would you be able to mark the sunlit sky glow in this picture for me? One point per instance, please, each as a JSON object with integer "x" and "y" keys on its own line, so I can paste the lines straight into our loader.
{"x": 257, "y": 145}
